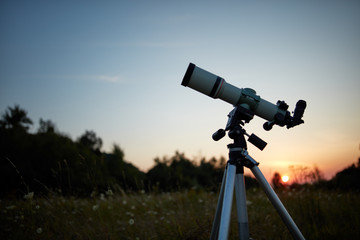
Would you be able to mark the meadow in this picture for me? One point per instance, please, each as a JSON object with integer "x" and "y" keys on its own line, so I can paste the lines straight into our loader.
{"x": 320, "y": 214}
{"x": 46, "y": 160}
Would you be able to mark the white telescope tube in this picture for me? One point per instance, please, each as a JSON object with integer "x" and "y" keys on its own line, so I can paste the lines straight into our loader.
{"x": 216, "y": 87}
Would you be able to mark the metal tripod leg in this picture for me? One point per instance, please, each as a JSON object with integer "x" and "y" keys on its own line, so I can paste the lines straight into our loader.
{"x": 216, "y": 223}
{"x": 221, "y": 224}
{"x": 285, "y": 216}
{"x": 234, "y": 178}
{"x": 243, "y": 223}
{"x": 224, "y": 226}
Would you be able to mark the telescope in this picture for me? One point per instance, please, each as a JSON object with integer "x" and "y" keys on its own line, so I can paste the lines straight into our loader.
{"x": 246, "y": 105}
{"x": 245, "y": 98}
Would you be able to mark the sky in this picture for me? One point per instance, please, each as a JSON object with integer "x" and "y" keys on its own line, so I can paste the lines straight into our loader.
{"x": 115, "y": 67}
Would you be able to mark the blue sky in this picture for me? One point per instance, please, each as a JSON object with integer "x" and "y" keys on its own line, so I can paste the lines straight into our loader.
{"x": 115, "y": 67}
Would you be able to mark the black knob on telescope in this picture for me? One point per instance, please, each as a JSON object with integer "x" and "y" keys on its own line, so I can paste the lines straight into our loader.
{"x": 219, "y": 134}
{"x": 268, "y": 125}
{"x": 257, "y": 142}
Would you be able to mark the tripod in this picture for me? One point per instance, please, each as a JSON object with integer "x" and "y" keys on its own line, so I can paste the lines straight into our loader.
{"x": 233, "y": 178}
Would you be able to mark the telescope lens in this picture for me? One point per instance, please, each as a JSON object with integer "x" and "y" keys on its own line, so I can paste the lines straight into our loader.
{"x": 188, "y": 74}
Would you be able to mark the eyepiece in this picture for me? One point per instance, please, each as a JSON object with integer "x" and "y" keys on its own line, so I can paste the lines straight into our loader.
{"x": 299, "y": 109}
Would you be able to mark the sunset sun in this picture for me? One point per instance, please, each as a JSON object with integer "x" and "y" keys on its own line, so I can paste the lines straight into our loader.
{"x": 285, "y": 178}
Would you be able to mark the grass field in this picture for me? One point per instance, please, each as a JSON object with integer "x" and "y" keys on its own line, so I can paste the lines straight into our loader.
{"x": 181, "y": 215}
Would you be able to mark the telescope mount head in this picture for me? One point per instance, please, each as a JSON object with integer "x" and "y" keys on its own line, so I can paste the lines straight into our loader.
{"x": 237, "y": 118}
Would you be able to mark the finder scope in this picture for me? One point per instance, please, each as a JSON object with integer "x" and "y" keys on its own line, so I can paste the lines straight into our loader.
{"x": 216, "y": 87}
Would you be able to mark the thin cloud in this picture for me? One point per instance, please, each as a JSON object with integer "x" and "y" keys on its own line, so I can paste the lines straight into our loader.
{"x": 99, "y": 78}
{"x": 106, "y": 78}
{"x": 149, "y": 44}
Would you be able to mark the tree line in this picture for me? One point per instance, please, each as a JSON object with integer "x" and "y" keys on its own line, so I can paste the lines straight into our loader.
{"x": 49, "y": 161}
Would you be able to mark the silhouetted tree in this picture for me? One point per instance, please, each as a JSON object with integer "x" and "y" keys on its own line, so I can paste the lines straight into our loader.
{"x": 91, "y": 141}
{"x": 179, "y": 172}
{"x": 184, "y": 174}
{"x": 15, "y": 118}
{"x": 172, "y": 174}
{"x": 46, "y": 126}
{"x": 209, "y": 173}
{"x": 124, "y": 174}
{"x": 159, "y": 177}
{"x": 348, "y": 179}
{"x": 276, "y": 181}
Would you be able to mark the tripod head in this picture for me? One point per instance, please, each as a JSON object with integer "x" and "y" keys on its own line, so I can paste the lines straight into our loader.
{"x": 237, "y": 118}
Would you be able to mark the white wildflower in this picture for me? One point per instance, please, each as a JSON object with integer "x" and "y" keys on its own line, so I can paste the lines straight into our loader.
{"x": 131, "y": 221}
{"x": 130, "y": 214}
{"x": 29, "y": 195}
{"x": 39, "y": 230}
{"x": 102, "y": 196}
{"x": 93, "y": 194}
{"x": 109, "y": 192}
